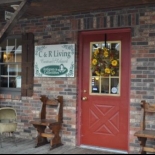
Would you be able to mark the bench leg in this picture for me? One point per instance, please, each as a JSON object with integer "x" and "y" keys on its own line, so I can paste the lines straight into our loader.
{"x": 142, "y": 144}
{"x": 56, "y": 141}
{"x": 40, "y": 141}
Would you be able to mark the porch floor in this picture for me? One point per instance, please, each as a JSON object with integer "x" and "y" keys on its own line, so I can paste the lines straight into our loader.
{"x": 25, "y": 146}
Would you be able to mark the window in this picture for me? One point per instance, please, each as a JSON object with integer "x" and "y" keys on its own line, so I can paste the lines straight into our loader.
{"x": 10, "y": 62}
{"x": 17, "y": 65}
{"x": 105, "y": 68}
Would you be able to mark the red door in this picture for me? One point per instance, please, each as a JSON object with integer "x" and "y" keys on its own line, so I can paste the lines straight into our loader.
{"x": 104, "y": 87}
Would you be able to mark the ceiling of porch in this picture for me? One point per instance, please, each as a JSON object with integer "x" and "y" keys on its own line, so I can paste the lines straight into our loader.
{"x": 42, "y": 8}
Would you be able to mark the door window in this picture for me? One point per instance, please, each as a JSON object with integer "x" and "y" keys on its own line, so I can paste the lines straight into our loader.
{"x": 105, "y": 68}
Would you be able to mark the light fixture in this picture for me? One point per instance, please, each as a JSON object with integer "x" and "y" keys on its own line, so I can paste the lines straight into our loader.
{"x": 6, "y": 56}
{"x": 15, "y": 7}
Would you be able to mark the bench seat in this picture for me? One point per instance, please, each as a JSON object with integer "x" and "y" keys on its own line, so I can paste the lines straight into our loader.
{"x": 146, "y": 134}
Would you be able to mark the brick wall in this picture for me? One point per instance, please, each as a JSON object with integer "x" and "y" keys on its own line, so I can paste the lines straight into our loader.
{"x": 64, "y": 29}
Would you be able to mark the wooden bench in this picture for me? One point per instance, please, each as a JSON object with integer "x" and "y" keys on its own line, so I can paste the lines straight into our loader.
{"x": 143, "y": 134}
{"x": 54, "y": 125}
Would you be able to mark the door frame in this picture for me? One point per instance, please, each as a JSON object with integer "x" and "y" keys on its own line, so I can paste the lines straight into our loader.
{"x": 79, "y": 79}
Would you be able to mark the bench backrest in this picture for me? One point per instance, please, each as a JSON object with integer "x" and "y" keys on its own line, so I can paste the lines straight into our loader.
{"x": 52, "y": 102}
{"x": 146, "y": 108}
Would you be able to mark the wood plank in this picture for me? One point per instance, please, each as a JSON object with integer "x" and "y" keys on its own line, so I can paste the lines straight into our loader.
{"x": 82, "y": 151}
{"x": 57, "y": 149}
{"x": 52, "y": 102}
{"x": 32, "y": 150}
{"x": 7, "y": 142}
{"x": 25, "y": 146}
{"x": 10, "y": 24}
{"x": 27, "y": 63}
{"x": 73, "y": 151}
{"x": 61, "y": 150}
{"x": 22, "y": 148}
{"x": 146, "y": 134}
{"x": 44, "y": 150}
{"x": 149, "y": 149}
{"x": 41, "y": 8}
{"x": 47, "y": 135}
{"x": 46, "y": 8}
{"x": 20, "y": 145}
{"x": 77, "y": 151}
{"x": 9, "y": 1}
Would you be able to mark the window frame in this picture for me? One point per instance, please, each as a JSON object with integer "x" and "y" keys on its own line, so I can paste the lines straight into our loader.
{"x": 109, "y": 77}
{"x": 13, "y": 91}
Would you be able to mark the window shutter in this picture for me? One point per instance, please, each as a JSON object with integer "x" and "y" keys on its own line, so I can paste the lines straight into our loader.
{"x": 27, "y": 64}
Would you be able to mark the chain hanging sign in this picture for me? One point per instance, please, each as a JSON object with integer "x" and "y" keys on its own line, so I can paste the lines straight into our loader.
{"x": 54, "y": 60}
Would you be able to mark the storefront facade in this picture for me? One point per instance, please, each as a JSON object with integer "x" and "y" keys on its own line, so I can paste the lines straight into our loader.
{"x": 137, "y": 26}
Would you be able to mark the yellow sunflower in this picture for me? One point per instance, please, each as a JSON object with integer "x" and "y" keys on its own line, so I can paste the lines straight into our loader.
{"x": 94, "y": 62}
{"x": 96, "y": 52}
{"x": 107, "y": 70}
{"x": 106, "y": 54}
{"x": 114, "y": 63}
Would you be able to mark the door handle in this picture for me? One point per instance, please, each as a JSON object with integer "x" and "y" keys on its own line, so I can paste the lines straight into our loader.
{"x": 84, "y": 98}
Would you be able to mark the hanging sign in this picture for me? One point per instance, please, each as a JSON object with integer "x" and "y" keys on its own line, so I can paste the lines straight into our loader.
{"x": 8, "y": 15}
{"x": 54, "y": 60}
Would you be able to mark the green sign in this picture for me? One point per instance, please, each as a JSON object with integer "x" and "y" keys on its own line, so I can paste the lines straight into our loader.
{"x": 54, "y": 70}
{"x": 54, "y": 60}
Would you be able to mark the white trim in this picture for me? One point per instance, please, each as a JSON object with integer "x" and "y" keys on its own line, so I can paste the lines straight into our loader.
{"x": 103, "y": 149}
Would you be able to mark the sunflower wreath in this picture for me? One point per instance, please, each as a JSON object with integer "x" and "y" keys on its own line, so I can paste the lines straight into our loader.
{"x": 105, "y": 62}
